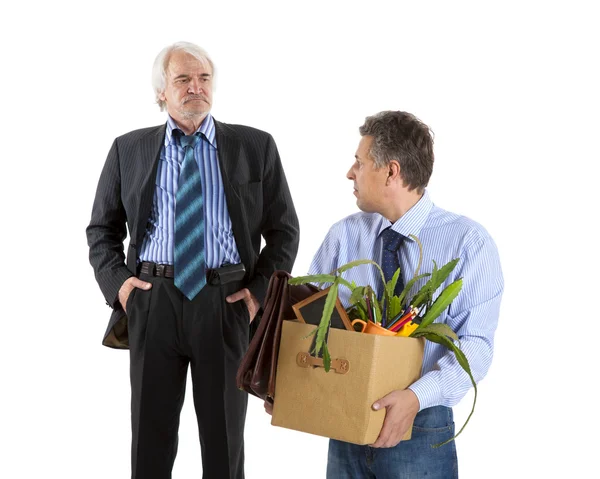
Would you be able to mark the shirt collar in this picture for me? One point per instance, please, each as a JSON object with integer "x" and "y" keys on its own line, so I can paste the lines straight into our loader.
{"x": 207, "y": 128}
{"x": 412, "y": 221}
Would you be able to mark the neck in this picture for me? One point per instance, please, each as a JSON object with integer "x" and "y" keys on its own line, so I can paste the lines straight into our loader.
{"x": 394, "y": 210}
{"x": 189, "y": 125}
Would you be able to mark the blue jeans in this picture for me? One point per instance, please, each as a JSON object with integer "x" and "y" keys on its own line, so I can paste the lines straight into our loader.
{"x": 412, "y": 459}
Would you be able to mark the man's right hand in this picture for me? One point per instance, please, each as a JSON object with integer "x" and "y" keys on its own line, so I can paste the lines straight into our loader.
{"x": 127, "y": 288}
{"x": 269, "y": 408}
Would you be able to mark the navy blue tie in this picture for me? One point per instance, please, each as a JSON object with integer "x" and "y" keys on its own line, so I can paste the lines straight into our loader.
{"x": 190, "y": 274}
{"x": 390, "y": 261}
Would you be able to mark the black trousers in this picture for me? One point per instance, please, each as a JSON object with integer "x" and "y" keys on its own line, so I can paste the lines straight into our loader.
{"x": 166, "y": 333}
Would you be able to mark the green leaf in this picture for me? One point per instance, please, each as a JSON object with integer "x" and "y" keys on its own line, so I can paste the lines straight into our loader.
{"x": 313, "y": 278}
{"x": 391, "y": 285}
{"x": 395, "y": 307}
{"x": 420, "y": 254}
{"x": 441, "y": 303}
{"x": 345, "y": 283}
{"x": 320, "y": 279}
{"x": 311, "y": 333}
{"x": 326, "y": 358}
{"x": 409, "y": 285}
{"x": 358, "y": 262}
{"x": 357, "y": 311}
{"x": 440, "y": 329}
{"x": 357, "y": 295}
{"x": 464, "y": 363}
{"x": 378, "y": 309}
{"x": 326, "y": 317}
{"x": 353, "y": 264}
{"x": 431, "y": 286}
{"x": 434, "y": 274}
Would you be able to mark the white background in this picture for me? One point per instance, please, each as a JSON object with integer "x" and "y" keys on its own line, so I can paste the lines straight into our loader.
{"x": 511, "y": 92}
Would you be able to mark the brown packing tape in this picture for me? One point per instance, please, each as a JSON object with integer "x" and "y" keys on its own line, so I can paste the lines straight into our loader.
{"x": 338, "y": 405}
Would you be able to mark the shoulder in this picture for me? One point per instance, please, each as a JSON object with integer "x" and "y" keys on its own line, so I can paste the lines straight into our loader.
{"x": 243, "y": 132}
{"x": 357, "y": 224}
{"x": 136, "y": 135}
{"x": 471, "y": 232}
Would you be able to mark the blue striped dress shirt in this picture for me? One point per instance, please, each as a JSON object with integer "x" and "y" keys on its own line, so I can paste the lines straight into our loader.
{"x": 473, "y": 315}
{"x": 220, "y": 246}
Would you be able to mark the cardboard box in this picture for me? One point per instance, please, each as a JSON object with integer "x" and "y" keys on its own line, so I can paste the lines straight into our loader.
{"x": 338, "y": 404}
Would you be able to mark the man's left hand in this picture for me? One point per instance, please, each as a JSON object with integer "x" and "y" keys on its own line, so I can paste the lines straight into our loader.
{"x": 401, "y": 408}
{"x": 251, "y": 302}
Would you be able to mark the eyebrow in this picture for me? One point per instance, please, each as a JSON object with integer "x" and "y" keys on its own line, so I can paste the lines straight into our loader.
{"x": 185, "y": 75}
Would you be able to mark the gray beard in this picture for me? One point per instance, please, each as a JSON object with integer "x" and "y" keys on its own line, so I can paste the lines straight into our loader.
{"x": 188, "y": 115}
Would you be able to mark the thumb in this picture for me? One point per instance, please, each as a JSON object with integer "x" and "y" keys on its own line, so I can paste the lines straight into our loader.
{"x": 241, "y": 294}
{"x": 138, "y": 283}
{"x": 385, "y": 401}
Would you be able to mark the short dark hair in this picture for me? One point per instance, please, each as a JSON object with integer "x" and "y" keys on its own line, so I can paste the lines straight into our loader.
{"x": 398, "y": 135}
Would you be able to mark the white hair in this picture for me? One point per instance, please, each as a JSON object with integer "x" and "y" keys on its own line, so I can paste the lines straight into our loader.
{"x": 159, "y": 69}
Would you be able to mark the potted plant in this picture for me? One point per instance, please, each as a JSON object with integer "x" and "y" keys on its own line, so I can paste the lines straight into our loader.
{"x": 403, "y": 315}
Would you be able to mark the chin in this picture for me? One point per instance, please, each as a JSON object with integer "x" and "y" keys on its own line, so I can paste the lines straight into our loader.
{"x": 191, "y": 114}
{"x": 363, "y": 207}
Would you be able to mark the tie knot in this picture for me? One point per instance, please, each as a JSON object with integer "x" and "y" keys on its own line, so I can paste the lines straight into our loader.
{"x": 188, "y": 140}
{"x": 391, "y": 240}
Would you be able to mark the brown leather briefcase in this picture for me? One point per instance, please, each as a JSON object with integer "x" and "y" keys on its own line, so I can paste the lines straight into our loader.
{"x": 256, "y": 374}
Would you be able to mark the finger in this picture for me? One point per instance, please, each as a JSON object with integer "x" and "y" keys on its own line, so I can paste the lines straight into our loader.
{"x": 241, "y": 294}
{"x": 253, "y": 299}
{"x": 385, "y": 401}
{"x": 138, "y": 283}
{"x": 269, "y": 408}
{"x": 384, "y": 434}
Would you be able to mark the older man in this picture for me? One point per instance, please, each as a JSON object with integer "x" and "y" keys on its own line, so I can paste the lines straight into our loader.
{"x": 196, "y": 195}
{"x": 391, "y": 169}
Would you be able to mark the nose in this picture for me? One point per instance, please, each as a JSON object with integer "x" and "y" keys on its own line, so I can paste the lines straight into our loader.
{"x": 195, "y": 87}
{"x": 350, "y": 174}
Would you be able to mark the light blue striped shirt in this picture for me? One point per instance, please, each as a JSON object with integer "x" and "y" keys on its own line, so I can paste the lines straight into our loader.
{"x": 473, "y": 315}
{"x": 220, "y": 246}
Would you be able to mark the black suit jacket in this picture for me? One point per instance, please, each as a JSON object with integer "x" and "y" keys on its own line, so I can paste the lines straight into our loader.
{"x": 258, "y": 200}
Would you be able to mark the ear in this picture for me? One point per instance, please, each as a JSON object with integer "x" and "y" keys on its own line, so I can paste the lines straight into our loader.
{"x": 162, "y": 96}
{"x": 393, "y": 171}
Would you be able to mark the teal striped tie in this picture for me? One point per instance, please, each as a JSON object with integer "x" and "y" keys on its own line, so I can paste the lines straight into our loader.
{"x": 190, "y": 275}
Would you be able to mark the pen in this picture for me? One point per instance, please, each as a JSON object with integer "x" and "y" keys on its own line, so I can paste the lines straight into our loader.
{"x": 406, "y": 319}
{"x": 368, "y": 301}
{"x": 373, "y": 307}
{"x": 401, "y": 316}
{"x": 396, "y": 318}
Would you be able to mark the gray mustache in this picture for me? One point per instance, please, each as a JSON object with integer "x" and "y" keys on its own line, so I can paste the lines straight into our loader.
{"x": 194, "y": 97}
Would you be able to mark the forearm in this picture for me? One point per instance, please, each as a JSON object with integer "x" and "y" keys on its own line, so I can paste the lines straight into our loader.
{"x": 107, "y": 231}
{"x": 280, "y": 227}
{"x": 279, "y": 253}
{"x": 448, "y": 383}
{"x": 444, "y": 381}
{"x": 108, "y": 260}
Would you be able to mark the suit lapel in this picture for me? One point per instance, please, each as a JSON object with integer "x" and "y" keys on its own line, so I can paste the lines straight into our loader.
{"x": 228, "y": 152}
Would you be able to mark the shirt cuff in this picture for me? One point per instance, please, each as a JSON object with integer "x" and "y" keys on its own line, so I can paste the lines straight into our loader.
{"x": 428, "y": 390}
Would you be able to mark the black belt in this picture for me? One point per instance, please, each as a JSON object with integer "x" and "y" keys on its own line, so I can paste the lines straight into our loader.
{"x": 160, "y": 270}
{"x": 222, "y": 275}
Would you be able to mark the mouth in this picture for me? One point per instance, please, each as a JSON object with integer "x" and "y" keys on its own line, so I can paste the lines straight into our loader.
{"x": 187, "y": 100}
